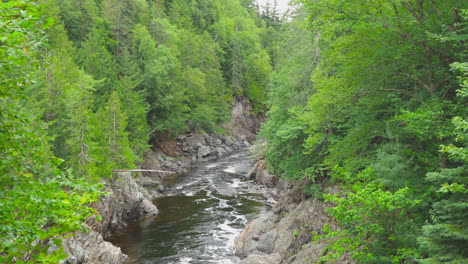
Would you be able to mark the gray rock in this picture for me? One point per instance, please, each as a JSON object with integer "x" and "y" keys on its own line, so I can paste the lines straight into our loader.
{"x": 204, "y": 151}
{"x": 287, "y": 235}
{"x": 90, "y": 247}
{"x": 128, "y": 202}
{"x": 261, "y": 175}
{"x": 249, "y": 240}
{"x": 195, "y": 140}
{"x": 266, "y": 243}
{"x": 244, "y": 124}
{"x": 220, "y": 151}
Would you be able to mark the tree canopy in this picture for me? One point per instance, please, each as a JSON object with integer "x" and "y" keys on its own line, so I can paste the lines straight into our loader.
{"x": 88, "y": 85}
{"x": 371, "y": 95}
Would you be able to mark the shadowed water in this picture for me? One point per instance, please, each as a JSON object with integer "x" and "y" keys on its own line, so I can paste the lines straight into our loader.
{"x": 200, "y": 217}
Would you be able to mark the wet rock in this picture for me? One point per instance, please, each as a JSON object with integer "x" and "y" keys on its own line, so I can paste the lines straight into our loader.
{"x": 128, "y": 202}
{"x": 287, "y": 230}
{"x": 195, "y": 140}
{"x": 220, "y": 151}
{"x": 249, "y": 242}
{"x": 288, "y": 235}
{"x": 260, "y": 174}
{"x": 91, "y": 248}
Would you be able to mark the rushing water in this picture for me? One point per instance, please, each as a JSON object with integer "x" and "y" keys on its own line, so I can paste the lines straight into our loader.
{"x": 200, "y": 216}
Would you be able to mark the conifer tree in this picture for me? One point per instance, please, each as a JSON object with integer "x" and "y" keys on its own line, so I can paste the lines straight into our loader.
{"x": 112, "y": 147}
{"x": 446, "y": 237}
{"x": 96, "y": 59}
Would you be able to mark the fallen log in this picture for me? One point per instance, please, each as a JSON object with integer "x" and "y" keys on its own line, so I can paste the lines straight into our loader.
{"x": 143, "y": 170}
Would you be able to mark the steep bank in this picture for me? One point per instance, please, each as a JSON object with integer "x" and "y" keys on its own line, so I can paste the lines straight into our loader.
{"x": 284, "y": 235}
{"x": 128, "y": 202}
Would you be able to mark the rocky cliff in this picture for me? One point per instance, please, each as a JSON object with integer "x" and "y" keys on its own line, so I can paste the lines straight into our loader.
{"x": 127, "y": 202}
{"x": 244, "y": 124}
{"x": 284, "y": 235}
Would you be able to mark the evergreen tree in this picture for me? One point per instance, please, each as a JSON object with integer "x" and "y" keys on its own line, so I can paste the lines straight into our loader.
{"x": 112, "y": 147}
{"x": 37, "y": 200}
{"x": 79, "y": 17}
{"x": 446, "y": 236}
{"x": 96, "y": 59}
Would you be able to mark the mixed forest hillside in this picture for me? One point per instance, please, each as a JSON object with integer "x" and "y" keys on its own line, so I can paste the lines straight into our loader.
{"x": 370, "y": 96}
{"x": 87, "y": 86}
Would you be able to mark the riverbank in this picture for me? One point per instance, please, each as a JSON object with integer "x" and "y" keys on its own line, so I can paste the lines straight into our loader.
{"x": 284, "y": 234}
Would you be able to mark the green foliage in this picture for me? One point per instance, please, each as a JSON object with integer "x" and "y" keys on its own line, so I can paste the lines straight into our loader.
{"x": 365, "y": 95}
{"x": 38, "y": 202}
{"x": 34, "y": 210}
{"x": 78, "y": 17}
{"x": 371, "y": 220}
{"x": 446, "y": 236}
{"x": 112, "y": 147}
{"x": 287, "y": 95}
{"x": 95, "y": 58}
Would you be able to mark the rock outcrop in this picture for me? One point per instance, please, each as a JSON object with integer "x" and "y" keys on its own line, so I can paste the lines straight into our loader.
{"x": 244, "y": 124}
{"x": 284, "y": 235}
{"x": 127, "y": 202}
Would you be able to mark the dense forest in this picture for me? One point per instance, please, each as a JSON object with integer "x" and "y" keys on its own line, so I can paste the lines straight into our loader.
{"x": 368, "y": 95}
{"x": 372, "y": 96}
{"x": 87, "y": 86}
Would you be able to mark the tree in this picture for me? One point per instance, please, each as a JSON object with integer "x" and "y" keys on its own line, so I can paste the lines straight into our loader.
{"x": 78, "y": 17}
{"x": 96, "y": 59}
{"x": 112, "y": 147}
{"x": 445, "y": 237}
{"x": 37, "y": 200}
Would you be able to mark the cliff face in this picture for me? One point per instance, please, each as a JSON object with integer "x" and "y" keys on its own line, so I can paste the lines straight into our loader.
{"x": 244, "y": 124}
{"x": 128, "y": 202}
{"x": 284, "y": 235}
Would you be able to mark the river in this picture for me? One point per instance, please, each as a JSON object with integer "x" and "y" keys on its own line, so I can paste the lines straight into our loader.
{"x": 201, "y": 214}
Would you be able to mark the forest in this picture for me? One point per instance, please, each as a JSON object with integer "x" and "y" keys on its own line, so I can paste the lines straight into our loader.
{"x": 367, "y": 95}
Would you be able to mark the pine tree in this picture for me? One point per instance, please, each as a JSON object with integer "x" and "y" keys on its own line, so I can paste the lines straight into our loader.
{"x": 112, "y": 147}
{"x": 96, "y": 59}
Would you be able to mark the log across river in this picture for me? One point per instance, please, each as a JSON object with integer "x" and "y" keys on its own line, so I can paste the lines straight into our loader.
{"x": 201, "y": 214}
